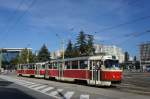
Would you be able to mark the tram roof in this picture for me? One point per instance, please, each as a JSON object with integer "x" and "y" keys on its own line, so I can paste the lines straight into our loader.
{"x": 98, "y": 57}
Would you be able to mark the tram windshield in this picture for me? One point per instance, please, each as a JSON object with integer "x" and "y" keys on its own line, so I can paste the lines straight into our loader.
{"x": 111, "y": 63}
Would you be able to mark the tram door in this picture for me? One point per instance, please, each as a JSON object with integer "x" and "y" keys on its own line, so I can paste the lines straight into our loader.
{"x": 37, "y": 69}
{"x": 47, "y": 66}
{"x": 60, "y": 68}
{"x": 95, "y": 70}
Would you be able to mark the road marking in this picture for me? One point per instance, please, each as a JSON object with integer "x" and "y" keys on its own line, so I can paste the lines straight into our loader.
{"x": 27, "y": 84}
{"x": 54, "y": 93}
{"x": 40, "y": 87}
{"x": 69, "y": 94}
{"x": 21, "y": 82}
{"x": 47, "y": 89}
{"x": 84, "y": 97}
{"x": 24, "y": 83}
{"x": 34, "y": 85}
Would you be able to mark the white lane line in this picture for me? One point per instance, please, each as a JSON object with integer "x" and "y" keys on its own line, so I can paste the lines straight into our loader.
{"x": 69, "y": 94}
{"x": 54, "y": 93}
{"x": 24, "y": 83}
{"x": 18, "y": 80}
{"x": 28, "y": 82}
{"x": 47, "y": 89}
{"x": 37, "y": 88}
{"x": 35, "y": 85}
{"x": 28, "y": 85}
{"x": 84, "y": 96}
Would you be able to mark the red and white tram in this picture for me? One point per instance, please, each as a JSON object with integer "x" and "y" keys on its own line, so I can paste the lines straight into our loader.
{"x": 95, "y": 70}
{"x": 26, "y": 70}
{"x": 32, "y": 70}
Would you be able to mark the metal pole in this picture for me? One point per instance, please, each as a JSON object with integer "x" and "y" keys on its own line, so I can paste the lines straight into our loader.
{"x": 28, "y": 56}
{"x": 28, "y": 53}
{"x": 0, "y": 59}
{"x": 63, "y": 50}
{"x": 62, "y": 57}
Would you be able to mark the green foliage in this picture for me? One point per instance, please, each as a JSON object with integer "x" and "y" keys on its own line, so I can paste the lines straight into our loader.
{"x": 81, "y": 44}
{"x": 44, "y": 54}
{"x": 69, "y": 50}
{"x": 23, "y": 56}
{"x": 82, "y": 47}
{"x": 90, "y": 45}
{"x": 26, "y": 56}
{"x": 75, "y": 52}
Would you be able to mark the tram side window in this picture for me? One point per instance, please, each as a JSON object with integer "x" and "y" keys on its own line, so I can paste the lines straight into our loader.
{"x": 67, "y": 65}
{"x": 29, "y": 66}
{"x": 33, "y": 67}
{"x": 21, "y": 66}
{"x": 43, "y": 66}
{"x": 83, "y": 64}
{"x": 50, "y": 66}
{"x": 55, "y": 65}
{"x": 74, "y": 64}
{"x": 25, "y": 66}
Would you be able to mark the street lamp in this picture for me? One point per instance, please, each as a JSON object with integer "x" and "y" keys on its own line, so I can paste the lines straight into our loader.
{"x": 28, "y": 53}
{"x": 0, "y": 59}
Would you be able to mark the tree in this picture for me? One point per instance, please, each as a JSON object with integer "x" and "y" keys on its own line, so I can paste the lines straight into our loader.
{"x": 81, "y": 44}
{"x": 75, "y": 52}
{"x": 34, "y": 58}
{"x": 90, "y": 45}
{"x": 44, "y": 54}
{"x": 69, "y": 50}
{"x": 26, "y": 56}
{"x": 126, "y": 57}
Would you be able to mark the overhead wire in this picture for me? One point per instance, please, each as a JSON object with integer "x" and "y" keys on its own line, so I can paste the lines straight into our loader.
{"x": 19, "y": 18}
{"x": 125, "y": 23}
{"x": 10, "y": 18}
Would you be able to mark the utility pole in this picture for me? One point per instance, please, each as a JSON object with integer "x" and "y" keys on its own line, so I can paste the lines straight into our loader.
{"x": 0, "y": 59}
{"x": 28, "y": 56}
{"x": 63, "y": 50}
{"x": 62, "y": 57}
{"x": 28, "y": 53}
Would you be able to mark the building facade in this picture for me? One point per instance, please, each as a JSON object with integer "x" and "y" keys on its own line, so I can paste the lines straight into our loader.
{"x": 110, "y": 50}
{"x": 56, "y": 54}
{"x": 7, "y": 55}
{"x": 145, "y": 54}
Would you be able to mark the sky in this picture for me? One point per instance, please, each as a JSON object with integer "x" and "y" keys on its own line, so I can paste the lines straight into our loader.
{"x": 32, "y": 23}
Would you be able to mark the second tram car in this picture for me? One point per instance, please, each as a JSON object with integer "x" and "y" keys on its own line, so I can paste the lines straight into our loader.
{"x": 32, "y": 70}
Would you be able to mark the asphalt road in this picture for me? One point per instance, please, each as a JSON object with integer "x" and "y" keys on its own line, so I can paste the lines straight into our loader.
{"x": 133, "y": 86}
{"x": 10, "y": 90}
{"x": 138, "y": 83}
